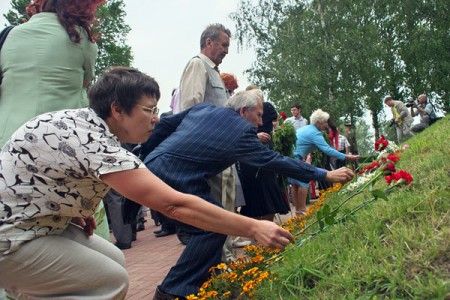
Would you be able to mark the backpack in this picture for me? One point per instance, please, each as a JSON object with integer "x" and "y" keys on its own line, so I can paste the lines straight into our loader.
{"x": 436, "y": 118}
{"x": 432, "y": 120}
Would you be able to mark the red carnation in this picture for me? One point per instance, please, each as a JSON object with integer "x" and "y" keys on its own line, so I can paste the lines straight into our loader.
{"x": 381, "y": 144}
{"x": 372, "y": 166}
{"x": 405, "y": 176}
{"x": 389, "y": 168}
{"x": 283, "y": 116}
{"x": 388, "y": 179}
{"x": 399, "y": 177}
{"x": 394, "y": 158}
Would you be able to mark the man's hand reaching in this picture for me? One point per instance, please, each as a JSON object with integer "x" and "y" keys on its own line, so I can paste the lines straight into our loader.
{"x": 342, "y": 175}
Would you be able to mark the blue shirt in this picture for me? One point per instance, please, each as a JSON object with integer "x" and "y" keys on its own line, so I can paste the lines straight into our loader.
{"x": 309, "y": 138}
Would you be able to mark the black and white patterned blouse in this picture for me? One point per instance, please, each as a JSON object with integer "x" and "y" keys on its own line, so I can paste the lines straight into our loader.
{"x": 50, "y": 172}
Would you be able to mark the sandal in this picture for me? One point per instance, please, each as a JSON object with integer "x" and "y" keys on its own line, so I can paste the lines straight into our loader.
{"x": 299, "y": 213}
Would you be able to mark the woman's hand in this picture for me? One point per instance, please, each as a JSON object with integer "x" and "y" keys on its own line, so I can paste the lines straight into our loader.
{"x": 352, "y": 158}
{"x": 88, "y": 224}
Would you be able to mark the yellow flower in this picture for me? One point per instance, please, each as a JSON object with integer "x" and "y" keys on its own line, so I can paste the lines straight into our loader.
{"x": 246, "y": 273}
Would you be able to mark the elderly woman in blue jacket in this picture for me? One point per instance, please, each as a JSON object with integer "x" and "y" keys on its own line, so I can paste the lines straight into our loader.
{"x": 308, "y": 139}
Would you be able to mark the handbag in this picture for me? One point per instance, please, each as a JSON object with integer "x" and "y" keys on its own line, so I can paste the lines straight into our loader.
{"x": 3, "y": 36}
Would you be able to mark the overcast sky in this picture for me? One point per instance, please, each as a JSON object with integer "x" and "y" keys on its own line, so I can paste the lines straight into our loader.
{"x": 165, "y": 34}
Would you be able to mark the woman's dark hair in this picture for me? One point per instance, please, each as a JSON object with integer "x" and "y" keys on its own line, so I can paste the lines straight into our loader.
{"x": 332, "y": 126}
{"x": 70, "y": 13}
{"x": 122, "y": 85}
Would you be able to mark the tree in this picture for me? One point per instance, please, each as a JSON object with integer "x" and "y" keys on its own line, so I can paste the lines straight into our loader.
{"x": 302, "y": 55}
{"x": 113, "y": 50}
{"x": 344, "y": 56}
{"x": 16, "y": 15}
{"x": 111, "y": 26}
{"x": 364, "y": 138}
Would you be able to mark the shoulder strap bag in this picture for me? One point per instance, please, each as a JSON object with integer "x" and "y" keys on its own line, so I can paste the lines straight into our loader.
{"x": 3, "y": 36}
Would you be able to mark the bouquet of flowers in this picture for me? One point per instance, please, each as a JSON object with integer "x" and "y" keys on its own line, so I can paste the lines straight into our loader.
{"x": 284, "y": 137}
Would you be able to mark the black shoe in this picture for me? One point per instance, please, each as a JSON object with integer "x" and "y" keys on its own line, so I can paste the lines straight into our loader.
{"x": 158, "y": 231}
{"x": 159, "y": 295}
{"x": 164, "y": 233}
{"x": 140, "y": 227}
{"x": 122, "y": 246}
{"x": 183, "y": 236}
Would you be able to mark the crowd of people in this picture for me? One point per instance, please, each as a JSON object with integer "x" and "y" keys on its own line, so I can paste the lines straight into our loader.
{"x": 402, "y": 117}
{"x": 203, "y": 180}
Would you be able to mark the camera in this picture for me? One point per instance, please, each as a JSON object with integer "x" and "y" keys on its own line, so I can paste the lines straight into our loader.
{"x": 391, "y": 123}
{"x": 411, "y": 102}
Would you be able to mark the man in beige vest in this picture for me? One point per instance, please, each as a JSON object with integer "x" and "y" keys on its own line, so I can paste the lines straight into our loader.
{"x": 201, "y": 82}
{"x": 400, "y": 117}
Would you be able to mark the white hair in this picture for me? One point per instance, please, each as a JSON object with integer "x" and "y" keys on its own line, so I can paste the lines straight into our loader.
{"x": 319, "y": 116}
{"x": 248, "y": 99}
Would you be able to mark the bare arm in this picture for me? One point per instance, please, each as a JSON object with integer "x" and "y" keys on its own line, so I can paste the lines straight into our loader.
{"x": 86, "y": 83}
{"x": 145, "y": 188}
{"x": 351, "y": 157}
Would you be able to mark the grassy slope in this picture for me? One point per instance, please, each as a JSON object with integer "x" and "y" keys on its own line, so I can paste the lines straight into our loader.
{"x": 399, "y": 249}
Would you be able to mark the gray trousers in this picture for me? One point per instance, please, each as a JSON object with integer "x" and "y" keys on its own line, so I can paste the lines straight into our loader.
{"x": 403, "y": 132}
{"x": 419, "y": 127}
{"x": 223, "y": 188}
{"x": 65, "y": 266}
{"x": 122, "y": 232}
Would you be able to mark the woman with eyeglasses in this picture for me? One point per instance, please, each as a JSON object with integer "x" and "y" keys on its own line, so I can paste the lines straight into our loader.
{"x": 55, "y": 169}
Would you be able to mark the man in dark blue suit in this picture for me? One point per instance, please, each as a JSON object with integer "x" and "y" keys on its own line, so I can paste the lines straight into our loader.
{"x": 188, "y": 148}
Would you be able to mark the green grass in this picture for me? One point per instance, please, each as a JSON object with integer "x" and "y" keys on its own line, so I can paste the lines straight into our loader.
{"x": 397, "y": 249}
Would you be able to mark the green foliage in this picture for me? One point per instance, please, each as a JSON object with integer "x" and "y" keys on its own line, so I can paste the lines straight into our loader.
{"x": 344, "y": 56}
{"x": 388, "y": 131}
{"x": 365, "y": 138}
{"x": 284, "y": 139}
{"x": 111, "y": 26}
{"x": 16, "y": 15}
{"x": 319, "y": 158}
{"x": 113, "y": 30}
{"x": 397, "y": 249}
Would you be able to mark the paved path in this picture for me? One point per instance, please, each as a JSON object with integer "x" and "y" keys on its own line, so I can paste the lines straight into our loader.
{"x": 149, "y": 260}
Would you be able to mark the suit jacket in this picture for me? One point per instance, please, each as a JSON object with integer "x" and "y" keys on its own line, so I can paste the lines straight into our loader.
{"x": 188, "y": 148}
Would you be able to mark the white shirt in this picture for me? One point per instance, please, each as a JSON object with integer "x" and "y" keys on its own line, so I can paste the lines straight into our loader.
{"x": 50, "y": 172}
{"x": 297, "y": 122}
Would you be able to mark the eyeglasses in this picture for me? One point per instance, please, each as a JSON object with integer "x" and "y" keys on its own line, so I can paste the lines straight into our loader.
{"x": 154, "y": 110}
